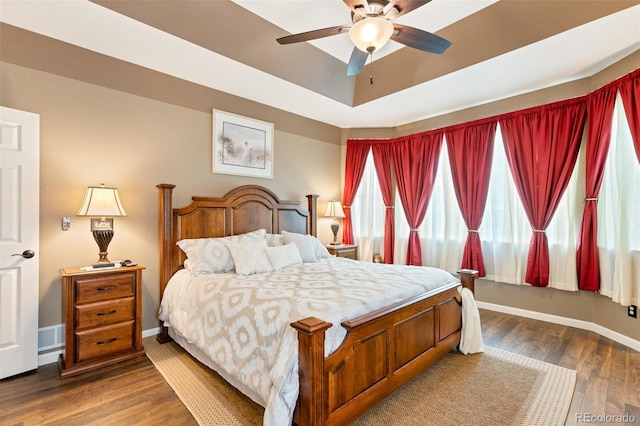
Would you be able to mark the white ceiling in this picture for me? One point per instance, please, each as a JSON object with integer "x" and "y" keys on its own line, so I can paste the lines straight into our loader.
{"x": 574, "y": 54}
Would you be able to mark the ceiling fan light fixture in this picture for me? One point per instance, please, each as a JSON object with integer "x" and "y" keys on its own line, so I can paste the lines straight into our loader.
{"x": 370, "y": 34}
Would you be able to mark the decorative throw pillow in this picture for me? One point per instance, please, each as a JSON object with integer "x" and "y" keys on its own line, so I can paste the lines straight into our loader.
{"x": 274, "y": 240}
{"x": 211, "y": 255}
{"x": 206, "y": 255}
{"x": 250, "y": 257}
{"x": 304, "y": 244}
{"x": 319, "y": 249}
{"x": 283, "y": 256}
{"x": 259, "y": 234}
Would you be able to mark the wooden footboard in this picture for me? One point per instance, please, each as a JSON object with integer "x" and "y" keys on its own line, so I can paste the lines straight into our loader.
{"x": 381, "y": 352}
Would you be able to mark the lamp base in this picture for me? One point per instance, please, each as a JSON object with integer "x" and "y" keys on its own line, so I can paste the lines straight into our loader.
{"x": 103, "y": 238}
{"x": 103, "y": 257}
{"x": 335, "y": 226}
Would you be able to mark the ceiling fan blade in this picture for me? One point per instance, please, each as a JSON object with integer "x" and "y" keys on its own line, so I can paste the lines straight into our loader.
{"x": 315, "y": 34}
{"x": 356, "y": 62}
{"x": 403, "y": 6}
{"x": 419, "y": 39}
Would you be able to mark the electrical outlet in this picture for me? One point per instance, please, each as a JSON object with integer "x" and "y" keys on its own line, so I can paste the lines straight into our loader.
{"x": 632, "y": 311}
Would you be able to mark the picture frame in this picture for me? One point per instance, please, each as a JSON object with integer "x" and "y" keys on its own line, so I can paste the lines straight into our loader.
{"x": 242, "y": 146}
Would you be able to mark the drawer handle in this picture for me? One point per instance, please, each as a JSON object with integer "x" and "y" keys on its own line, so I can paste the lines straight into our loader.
{"x": 101, "y": 314}
{"x": 104, "y": 342}
{"x": 111, "y": 287}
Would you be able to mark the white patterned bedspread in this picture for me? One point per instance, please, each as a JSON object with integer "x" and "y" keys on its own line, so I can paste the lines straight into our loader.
{"x": 242, "y": 322}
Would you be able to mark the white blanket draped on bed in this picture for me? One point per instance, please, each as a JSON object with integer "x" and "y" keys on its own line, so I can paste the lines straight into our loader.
{"x": 242, "y": 322}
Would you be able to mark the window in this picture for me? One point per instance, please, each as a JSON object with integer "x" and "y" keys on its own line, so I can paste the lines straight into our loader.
{"x": 505, "y": 231}
{"x": 619, "y": 216}
{"x": 368, "y": 212}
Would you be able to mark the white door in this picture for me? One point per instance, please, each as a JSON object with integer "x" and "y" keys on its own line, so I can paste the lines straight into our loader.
{"x": 19, "y": 223}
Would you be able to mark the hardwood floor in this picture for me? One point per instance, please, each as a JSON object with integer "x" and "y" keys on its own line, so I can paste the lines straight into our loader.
{"x": 135, "y": 393}
{"x": 129, "y": 393}
{"x": 608, "y": 381}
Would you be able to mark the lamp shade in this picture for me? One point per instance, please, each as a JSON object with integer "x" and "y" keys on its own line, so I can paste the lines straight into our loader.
{"x": 370, "y": 34}
{"x": 334, "y": 209}
{"x": 101, "y": 201}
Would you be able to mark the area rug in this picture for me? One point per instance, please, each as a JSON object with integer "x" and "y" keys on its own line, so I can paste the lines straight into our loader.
{"x": 493, "y": 388}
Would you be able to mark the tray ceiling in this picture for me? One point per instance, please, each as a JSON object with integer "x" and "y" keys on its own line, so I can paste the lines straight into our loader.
{"x": 499, "y": 49}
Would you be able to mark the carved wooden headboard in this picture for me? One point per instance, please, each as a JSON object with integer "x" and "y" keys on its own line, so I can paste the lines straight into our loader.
{"x": 243, "y": 209}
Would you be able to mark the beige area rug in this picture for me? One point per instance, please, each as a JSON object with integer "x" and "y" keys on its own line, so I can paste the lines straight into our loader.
{"x": 493, "y": 388}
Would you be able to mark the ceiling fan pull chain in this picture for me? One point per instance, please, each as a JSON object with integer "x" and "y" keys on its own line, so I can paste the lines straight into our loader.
{"x": 371, "y": 68}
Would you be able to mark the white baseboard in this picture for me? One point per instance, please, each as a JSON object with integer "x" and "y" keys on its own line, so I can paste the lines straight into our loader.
{"x": 570, "y": 322}
{"x": 51, "y": 357}
{"x": 150, "y": 332}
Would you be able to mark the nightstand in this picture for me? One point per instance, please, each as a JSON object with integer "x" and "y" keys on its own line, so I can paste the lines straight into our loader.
{"x": 103, "y": 317}
{"x": 350, "y": 251}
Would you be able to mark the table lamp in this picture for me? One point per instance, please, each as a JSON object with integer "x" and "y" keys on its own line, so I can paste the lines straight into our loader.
{"x": 334, "y": 210}
{"x": 102, "y": 202}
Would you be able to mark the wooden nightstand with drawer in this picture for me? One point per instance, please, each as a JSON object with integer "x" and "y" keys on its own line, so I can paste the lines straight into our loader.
{"x": 103, "y": 317}
{"x": 344, "y": 250}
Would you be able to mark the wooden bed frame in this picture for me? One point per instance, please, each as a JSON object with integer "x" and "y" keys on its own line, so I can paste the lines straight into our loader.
{"x": 382, "y": 350}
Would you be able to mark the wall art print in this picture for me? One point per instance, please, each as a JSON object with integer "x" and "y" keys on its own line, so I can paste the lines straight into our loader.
{"x": 242, "y": 146}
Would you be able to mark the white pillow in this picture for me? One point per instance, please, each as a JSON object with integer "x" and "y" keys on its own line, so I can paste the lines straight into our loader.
{"x": 304, "y": 243}
{"x": 211, "y": 255}
{"x": 283, "y": 256}
{"x": 274, "y": 240}
{"x": 250, "y": 257}
{"x": 319, "y": 249}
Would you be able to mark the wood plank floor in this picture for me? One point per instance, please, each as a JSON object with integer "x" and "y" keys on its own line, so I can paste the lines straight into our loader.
{"x": 131, "y": 393}
{"x": 135, "y": 393}
{"x": 608, "y": 381}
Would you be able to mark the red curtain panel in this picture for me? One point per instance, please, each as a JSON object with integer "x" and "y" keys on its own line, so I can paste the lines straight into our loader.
{"x": 541, "y": 146}
{"x": 381, "y": 151}
{"x": 415, "y": 163}
{"x": 630, "y": 93}
{"x": 357, "y": 151}
{"x": 470, "y": 148}
{"x": 599, "y": 118}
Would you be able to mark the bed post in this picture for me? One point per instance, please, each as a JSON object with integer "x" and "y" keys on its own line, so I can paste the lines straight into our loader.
{"x": 310, "y": 409}
{"x": 467, "y": 278}
{"x": 312, "y": 200}
{"x": 165, "y": 234}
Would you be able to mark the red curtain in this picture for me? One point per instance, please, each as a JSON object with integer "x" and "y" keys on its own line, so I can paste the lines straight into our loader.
{"x": 382, "y": 158}
{"x": 415, "y": 162}
{"x": 630, "y": 93}
{"x": 599, "y": 118}
{"x": 357, "y": 151}
{"x": 541, "y": 146}
{"x": 470, "y": 149}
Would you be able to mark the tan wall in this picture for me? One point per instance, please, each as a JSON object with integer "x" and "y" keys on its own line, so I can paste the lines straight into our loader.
{"x": 91, "y": 135}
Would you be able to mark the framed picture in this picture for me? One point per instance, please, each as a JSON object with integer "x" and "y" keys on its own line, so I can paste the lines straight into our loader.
{"x": 242, "y": 146}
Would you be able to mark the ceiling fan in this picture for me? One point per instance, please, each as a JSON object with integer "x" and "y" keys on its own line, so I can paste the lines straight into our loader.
{"x": 371, "y": 28}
